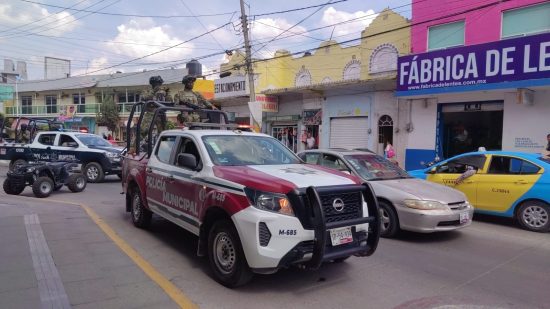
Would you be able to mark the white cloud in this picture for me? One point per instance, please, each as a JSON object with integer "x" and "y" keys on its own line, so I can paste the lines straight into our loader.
{"x": 268, "y": 28}
{"x": 151, "y": 37}
{"x": 361, "y": 19}
{"x": 16, "y": 15}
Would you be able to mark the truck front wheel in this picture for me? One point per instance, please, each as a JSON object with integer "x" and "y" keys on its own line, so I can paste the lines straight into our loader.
{"x": 226, "y": 255}
{"x": 141, "y": 216}
{"x": 93, "y": 172}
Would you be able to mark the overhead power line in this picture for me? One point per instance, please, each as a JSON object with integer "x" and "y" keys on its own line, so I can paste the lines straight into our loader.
{"x": 129, "y": 15}
{"x": 298, "y": 9}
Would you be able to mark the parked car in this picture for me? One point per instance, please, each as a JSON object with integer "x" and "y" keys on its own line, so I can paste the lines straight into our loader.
{"x": 508, "y": 184}
{"x": 405, "y": 202}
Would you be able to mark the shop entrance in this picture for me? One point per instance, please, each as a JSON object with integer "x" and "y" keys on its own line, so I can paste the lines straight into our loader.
{"x": 466, "y": 127}
{"x": 287, "y": 135}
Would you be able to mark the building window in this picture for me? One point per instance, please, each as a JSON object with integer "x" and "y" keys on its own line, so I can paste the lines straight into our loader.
{"x": 79, "y": 100}
{"x": 303, "y": 78}
{"x": 51, "y": 104}
{"x": 383, "y": 59}
{"x": 352, "y": 70}
{"x": 131, "y": 98}
{"x": 26, "y": 104}
{"x": 446, "y": 35}
{"x": 385, "y": 130}
{"x": 525, "y": 21}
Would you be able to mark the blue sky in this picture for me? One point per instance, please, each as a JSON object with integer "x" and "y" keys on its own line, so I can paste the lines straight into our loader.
{"x": 95, "y": 42}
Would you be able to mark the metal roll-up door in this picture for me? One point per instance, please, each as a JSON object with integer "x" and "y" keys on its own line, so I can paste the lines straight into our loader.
{"x": 349, "y": 132}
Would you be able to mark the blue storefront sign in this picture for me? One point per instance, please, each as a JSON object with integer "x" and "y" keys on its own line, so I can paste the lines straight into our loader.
{"x": 512, "y": 63}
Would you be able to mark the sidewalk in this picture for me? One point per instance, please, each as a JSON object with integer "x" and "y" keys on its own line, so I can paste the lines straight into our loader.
{"x": 54, "y": 256}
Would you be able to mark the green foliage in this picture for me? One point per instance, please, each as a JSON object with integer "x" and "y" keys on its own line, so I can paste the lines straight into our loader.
{"x": 108, "y": 113}
{"x": 170, "y": 125}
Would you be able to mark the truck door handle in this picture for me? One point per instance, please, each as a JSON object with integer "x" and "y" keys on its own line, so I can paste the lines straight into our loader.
{"x": 171, "y": 178}
{"x": 148, "y": 170}
{"x": 521, "y": 182}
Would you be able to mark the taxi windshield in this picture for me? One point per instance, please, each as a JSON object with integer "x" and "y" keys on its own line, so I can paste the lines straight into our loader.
{"x": 234, "y": 150}
{"x": 92, "y": 140}
{"x": 374, "y": 167}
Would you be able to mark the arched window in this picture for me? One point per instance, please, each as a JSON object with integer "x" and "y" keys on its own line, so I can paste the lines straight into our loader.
{"x": 303, "y": 77}
{"x": 383, "y": 59}
{"x": 385, "y": 130}
{"x": 352, "y": 69}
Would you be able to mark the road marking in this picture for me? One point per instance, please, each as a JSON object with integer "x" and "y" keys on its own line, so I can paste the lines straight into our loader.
{"x": 50, "y": 287}
{"x": 169, "y": 288}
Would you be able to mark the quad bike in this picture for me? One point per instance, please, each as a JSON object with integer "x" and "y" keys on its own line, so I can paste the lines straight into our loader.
{"x": 44, "y": 178}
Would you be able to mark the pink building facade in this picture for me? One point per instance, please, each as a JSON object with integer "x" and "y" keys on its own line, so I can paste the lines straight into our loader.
{"x": 478, "y": 76}
{"x": 482, "y": 19}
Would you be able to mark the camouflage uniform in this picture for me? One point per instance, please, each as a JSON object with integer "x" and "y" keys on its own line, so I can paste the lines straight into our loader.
{"x": 192, "y": 99}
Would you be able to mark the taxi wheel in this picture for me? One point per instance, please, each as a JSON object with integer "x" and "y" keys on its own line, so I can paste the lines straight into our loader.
{"x": 534, "y": 216}
{"x": 226, "y": 255}
{"x": 389, "y": 222}
{"x": 141, "y": 217}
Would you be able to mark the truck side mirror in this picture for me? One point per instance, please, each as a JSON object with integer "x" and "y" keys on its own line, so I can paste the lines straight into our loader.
{"x": 432, "y": 170}
{"x": 72, "y": 144}
{"x": 187, "y": 160}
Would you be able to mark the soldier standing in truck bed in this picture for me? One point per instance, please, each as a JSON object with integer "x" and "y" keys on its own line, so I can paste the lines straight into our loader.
{"x": 188, "y": 97}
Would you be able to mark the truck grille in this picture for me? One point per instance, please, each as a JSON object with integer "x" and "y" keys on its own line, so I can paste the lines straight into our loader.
{"x": 352, "y": 206}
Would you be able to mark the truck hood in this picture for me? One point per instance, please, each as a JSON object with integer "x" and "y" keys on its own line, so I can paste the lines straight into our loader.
{"x": 107, "y": 148}
{"x": 421, "y": 189}
{"x": 282, "y": 178}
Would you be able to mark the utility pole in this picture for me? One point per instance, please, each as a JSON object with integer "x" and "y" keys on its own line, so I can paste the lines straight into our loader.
{"x": 248, "y": 55}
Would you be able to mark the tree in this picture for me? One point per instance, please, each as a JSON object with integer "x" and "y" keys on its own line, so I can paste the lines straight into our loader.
{"x": 108, "y": 113}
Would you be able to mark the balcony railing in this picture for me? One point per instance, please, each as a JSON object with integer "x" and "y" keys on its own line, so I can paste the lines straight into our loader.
{"x": 82, "y": 110}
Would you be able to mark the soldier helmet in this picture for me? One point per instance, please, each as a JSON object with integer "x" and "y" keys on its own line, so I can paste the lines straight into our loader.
{"x": 155, "y": 80}
{"x": 188, "y": 78}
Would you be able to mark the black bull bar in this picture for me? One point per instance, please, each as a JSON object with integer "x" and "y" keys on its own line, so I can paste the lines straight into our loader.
{"x": 321, "y": 227}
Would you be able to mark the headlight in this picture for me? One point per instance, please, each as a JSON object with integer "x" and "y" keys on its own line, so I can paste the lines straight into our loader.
{"x": 425, "y": 205}
{"x": 268, "y": 201}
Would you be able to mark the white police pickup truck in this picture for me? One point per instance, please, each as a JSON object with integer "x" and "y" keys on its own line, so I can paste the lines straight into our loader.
{"x": 97, "y": 156}
{"x": 254, "y": 205}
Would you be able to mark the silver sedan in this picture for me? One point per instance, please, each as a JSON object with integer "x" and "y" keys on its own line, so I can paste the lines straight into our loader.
{"x": 406, "y": 203}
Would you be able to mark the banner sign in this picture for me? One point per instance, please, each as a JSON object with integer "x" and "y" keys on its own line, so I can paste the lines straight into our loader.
{"x": 270, "y": 104}
{"x": 230, "y": 87}
{"x": 511, "y": 60}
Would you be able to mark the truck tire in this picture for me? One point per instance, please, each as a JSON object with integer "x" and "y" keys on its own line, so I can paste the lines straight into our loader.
{"x": 9, "y": 188}
{"x": 226, "y": 256}
{"x": 93, "y": 172}
{"x": 17, "y": 162}
{"x": 141, "y": 216}
{"x": 76, "y": 183}
{"x": 42, "y": 187}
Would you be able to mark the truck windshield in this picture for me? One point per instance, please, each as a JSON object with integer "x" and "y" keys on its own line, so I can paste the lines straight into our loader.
{"x": 247, "y": 150}
{"x": 374, "y": 167}
{"x": 93, "y": 140}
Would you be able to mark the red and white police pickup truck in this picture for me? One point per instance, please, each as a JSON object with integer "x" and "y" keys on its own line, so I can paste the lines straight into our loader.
{"x": 255, "y": 206}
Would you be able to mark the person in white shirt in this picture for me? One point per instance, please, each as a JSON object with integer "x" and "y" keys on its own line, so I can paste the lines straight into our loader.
{"x": 310, "y": 141}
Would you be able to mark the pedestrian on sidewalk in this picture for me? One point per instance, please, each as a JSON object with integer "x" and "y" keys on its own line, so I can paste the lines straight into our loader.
{"x": 546, "y": 152}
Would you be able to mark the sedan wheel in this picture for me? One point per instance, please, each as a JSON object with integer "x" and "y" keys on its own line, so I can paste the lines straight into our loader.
{"x": 534, "y": 216}
{"x": 389, "y": 222}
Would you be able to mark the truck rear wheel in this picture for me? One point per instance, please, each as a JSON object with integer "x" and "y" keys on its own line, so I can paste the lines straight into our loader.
{"x": 76, "y": 182}
{"x": 93, "y": 172}
{"x": 43, "y": 186}
{"x": 141, "y": 216}
{"x": 226, "y": 255}
{"x": 11, "y": 189}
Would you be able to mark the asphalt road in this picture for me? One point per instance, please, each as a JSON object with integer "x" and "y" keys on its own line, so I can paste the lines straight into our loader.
{"x": 491, "y": 264}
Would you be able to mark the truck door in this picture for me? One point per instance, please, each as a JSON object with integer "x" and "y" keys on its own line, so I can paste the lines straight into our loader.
{"x": 65, "y": 148}
{"x": 158, "y": 178}
{"x": 42, "y": 148}
{"x": 189, "y": 193}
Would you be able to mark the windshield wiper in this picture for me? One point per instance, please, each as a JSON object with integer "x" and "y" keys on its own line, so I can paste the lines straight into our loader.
{"x": 376, "y": 178}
